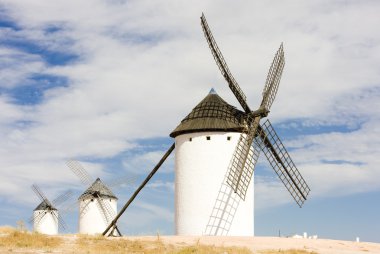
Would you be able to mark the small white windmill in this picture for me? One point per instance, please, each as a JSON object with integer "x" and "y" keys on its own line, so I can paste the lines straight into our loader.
{"x": 46, "y": 219}
{"x": 97, "y": 205}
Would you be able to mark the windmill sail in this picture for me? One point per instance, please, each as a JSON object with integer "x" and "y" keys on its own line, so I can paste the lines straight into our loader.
{"x": 223, "y": 211}
{"x": 61, "y": 222}
{"x": 243, "y": 162}
{"x": 219, "y": 59}
{"x": 105, "y": 209}
{"x": 62, "y": 198}
{"x": 79, "y": 170}
{"x": 36, "y": 219}
{"x": 41, "y": 195}
{"x": 282, "y": 164}
{"x": 273, "y": 79}
{"x": 241, "y": 170}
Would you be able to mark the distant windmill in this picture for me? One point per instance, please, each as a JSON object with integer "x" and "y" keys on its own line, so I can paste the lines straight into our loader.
{"x": 98, "y": 204}
{"x": 216, "y": 137}
{"x": 46, "y": 219}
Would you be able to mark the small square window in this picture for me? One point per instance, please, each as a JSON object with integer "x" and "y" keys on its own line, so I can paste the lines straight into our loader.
{"x": 208, "y": 137}
{"x": 229, "y": 138}
{"x": 190, "y": 139}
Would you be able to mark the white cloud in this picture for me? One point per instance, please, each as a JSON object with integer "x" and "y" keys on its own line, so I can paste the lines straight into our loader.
{"x": 143, "y": 163}
{"x": 270, "y": 192}
{"x": 16, "y": 66}
{"x": 148, "y": 219}
{"x": 9, "y": 112}
{"x": 162, "y": 185}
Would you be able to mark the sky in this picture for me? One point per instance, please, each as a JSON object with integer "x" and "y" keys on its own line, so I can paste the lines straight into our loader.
{"x": 105, "y": 82}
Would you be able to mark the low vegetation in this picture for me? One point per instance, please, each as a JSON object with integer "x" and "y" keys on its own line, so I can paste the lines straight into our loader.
{"x": 12, "y": 240}
{"x": 100, "y": 244}
{"x": 16, "y": 241}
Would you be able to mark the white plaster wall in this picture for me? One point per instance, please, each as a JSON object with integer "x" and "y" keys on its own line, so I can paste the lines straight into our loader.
{"x": 48, "y": 224}
{"x": 200, "y": 167}
{"x": 91, "y": 220}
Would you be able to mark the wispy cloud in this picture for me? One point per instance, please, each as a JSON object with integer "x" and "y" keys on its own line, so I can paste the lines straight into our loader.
{"x": 17, "y": 67}
{"x": 143, "y": 163}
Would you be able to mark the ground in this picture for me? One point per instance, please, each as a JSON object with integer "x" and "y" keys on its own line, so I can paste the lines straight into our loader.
{"x": 14, "y": 241}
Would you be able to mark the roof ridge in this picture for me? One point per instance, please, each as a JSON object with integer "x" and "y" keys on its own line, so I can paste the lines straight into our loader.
{"x": 212, "y": 114}
{"x": 98, "y": 188}
{"x": 44, "y": 205}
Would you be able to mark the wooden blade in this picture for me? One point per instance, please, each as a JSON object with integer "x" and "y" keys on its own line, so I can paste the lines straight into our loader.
{"x": 106, "y": 210}
{"x": 37, "y": 219}
{"x": 102, "y": 211}
{"x": 224, "y": 210}
{"x": 273, "y": 79}
{"x": 243, "y": 161}
{"x": 219, "y": 59}
{"x": 61, "y": 223}
{"x": 84, "y": 209}
{"x": 31, "y": 219}
{"x": 62, "y": 198}
{"x": 108, "y": 215}
{"x": 151, "y": 174}
{"x": 69, "y": 208}
{"x": 79, "y": 170}
{"x": 282, "y": 164}
{"x": 40, "y": 194}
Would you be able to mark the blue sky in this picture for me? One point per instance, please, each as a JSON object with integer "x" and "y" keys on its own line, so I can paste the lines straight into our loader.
{"x": 105, "y": 82}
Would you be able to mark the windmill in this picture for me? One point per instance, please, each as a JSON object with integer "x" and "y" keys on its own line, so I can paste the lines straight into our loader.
{"x": 97, "y": 205}
{"x": 46, "y": 219}
{"x": 215, "y": 137}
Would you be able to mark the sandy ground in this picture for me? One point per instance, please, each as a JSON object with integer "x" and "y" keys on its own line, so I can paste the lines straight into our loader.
{"x": 255, "y": 244}
{"x": 322, "y": 246}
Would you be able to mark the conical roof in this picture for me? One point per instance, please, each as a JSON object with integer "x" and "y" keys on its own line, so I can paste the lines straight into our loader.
{"x": 98, "y": 188}
{"x": 44, "y": 205}
{"x": 211, "y": 114}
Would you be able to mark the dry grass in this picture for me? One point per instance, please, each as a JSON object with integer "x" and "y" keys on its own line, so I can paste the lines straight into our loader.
{"x": 291, "y": 251}
{"x": 6, "y": 230}
{"x": 14, "y": 239}
{"x": 99, "y": 244}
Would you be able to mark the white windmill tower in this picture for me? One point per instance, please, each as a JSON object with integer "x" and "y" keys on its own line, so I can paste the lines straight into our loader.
{"x": 46, "y": 219}
{"x": 205, "y": 141}
{"x": 217, "y": 147}
{"x": 97, "y": 204}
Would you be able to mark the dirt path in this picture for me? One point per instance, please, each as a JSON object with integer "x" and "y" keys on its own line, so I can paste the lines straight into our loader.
{"x": 322, "y": 246}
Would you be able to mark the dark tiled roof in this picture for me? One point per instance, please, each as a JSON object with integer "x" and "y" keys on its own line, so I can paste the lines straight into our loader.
{"x": 45, "y": 205}
{"x": 211, "y": 114}
{"x": 98, "y": 188}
